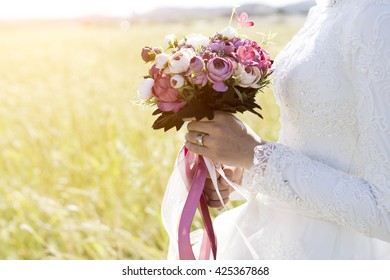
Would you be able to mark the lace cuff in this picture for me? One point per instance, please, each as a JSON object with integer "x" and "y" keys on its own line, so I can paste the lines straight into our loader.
{"x": 266, "y": 176}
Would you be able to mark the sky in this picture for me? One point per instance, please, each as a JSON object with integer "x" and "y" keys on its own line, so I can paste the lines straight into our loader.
{"x": 30, "y": 9}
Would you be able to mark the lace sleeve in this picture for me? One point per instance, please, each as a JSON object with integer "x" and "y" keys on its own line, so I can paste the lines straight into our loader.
{"x": 320, "y": 190}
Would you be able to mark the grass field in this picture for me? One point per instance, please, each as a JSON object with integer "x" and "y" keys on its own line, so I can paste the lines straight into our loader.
{"x": 82, "y": 174}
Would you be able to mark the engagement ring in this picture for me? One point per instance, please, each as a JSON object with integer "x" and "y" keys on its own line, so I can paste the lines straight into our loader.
{"x": 199, "y": 139}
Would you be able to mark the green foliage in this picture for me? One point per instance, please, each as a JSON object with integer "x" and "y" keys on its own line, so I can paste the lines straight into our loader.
{"x": 82, "y": 173}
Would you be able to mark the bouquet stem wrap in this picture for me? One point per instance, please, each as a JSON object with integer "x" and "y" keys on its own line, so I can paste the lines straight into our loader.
{"x": 184, "y": 195}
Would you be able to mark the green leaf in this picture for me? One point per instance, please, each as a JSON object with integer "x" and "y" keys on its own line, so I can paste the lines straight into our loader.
{"x": 238, "y": 93}
{"x": 168, "y": 120}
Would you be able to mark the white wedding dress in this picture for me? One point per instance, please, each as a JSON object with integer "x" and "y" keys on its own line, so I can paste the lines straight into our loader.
{"x": 323, "y": 191}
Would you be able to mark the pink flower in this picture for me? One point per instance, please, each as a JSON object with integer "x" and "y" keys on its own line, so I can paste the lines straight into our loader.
{"x": 163, "y": 90}
{"x": 243, "y": 20}
{"x": 154, "y": 71}
{"x": 196, "y": 64}
{"x": 200, "y": 79}
{"x": 218, "y": 70}
{"x": 247, "y": 55}
{"x": 223, "y": 47}
{"x": 168, "y": 97}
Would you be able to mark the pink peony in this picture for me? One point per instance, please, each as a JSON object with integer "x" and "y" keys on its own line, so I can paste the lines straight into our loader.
{"x": 196, "y": 64}
{"x": 168, "y": 97}
{"x": 247, "y": 55}
{"x": 219, "y": 70}
{"x": 200, "y": 79}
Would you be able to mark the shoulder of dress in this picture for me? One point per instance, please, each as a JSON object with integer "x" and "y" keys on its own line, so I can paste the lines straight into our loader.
{"x": 370, "y": 11}
{"x": 365, "y": 17}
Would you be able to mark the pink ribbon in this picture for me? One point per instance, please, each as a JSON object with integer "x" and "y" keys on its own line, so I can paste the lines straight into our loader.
{"x": 195, "y": 173}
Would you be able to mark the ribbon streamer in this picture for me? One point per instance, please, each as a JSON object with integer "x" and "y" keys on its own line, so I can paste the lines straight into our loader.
{"x": 183, "y": 196}
{"x": 195, "y": 172}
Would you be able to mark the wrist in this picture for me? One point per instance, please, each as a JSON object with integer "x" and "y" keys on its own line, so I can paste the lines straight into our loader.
{"x": 251, "y": 152}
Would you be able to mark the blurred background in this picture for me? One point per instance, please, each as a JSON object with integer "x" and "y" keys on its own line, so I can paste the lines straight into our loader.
{"x": 82, "y": 174}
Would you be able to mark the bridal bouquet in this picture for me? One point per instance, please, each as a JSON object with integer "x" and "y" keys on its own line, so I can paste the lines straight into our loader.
{"x": 197, "y": 75}
{"x": 191, "y": 78}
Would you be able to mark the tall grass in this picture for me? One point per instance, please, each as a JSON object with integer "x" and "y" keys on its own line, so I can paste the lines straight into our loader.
{"x": 82, "y": 174}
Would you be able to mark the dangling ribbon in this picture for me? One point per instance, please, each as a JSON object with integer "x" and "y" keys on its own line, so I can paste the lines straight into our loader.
{"x": 195, "y": 173}
{"x": 180, "y": 204}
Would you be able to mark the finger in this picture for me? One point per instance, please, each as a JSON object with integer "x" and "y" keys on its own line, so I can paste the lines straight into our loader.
{"x": 216, "y": 203}
{"x": 213, "y": 195}
{"x": 192, "y": 135}
{"x": 216, "y": 174}
{"x": 199, "y": 150}
{"x": 209, "y": 186}
{"x": 201, "y": 126}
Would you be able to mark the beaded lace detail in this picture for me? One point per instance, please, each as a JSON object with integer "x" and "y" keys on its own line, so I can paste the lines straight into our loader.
{"x": 332, "y": 82}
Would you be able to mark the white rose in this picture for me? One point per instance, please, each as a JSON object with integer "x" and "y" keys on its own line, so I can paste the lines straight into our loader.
{"x": 177, "y": 81}
{"x": 145, "y": 89}
{"x": 229, "y": 32}
{"x": 248, "y": 76}
{"x": 179, "y": 62}
{"x": 169, "y": 41}
{"x": 161, "y": 60}
{"x": 197, "y": 40}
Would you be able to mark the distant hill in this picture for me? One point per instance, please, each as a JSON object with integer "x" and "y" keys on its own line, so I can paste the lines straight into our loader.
{"x": 177, "y": 14}
{"x": 301, "y": 7}
{"x": 173, "y": 13}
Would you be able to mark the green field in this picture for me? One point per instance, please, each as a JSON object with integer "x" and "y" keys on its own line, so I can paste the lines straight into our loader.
{"x": 82, "y": 174}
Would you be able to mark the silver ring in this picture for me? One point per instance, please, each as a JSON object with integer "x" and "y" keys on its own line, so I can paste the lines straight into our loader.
{"x": 199, "y": 139}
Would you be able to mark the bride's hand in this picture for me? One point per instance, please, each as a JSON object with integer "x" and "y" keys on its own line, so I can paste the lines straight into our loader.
{"x": 226, "y": 140}
{"x": 234, "y": 174}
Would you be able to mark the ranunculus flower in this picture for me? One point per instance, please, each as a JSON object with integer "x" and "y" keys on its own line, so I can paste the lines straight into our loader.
{"x": 168, "y": 97}
{"x": 219, "y": 70}
{"x": 163, "y": 89}
{"x": 237, "y": 42}
{"x": 197, "y": 40}
{"x": 148, "y": 54}
{"x": 229, "y": 32}
{"x": 222, "y": 47}
{"x": 200, "y": 79}
{"x": 169, "y": 41}
{"x": 248, "y": 76}
{"x": 154, "y": 71}
{"x": 227, "y": 47}
{"x": 196, "y": 64}
{"x": 177, "y": 81}
{"x": 162, "y": 60}
{"x": 179, "y": 62}
{"x": 145, "y": 89}
{"x": 247, "y": 55}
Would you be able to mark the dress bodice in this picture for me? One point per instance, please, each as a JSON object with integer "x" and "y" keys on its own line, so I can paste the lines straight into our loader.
{"x": 313, "y": 89}
{"x": 332, "y": 82}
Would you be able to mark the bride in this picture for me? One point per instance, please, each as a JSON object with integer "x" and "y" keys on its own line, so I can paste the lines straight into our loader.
{"x": 323, "y": 190}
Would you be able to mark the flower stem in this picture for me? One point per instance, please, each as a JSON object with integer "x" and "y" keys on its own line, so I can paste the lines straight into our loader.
{"x": 233, "y": 12}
